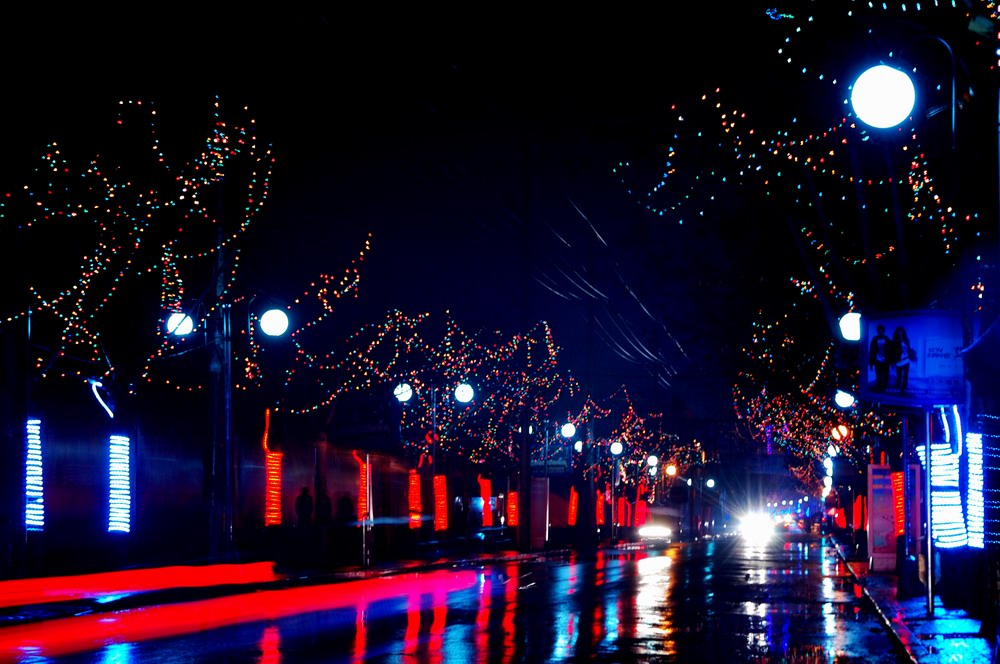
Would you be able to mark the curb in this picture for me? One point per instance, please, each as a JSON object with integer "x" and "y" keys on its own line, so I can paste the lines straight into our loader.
{"x": 897, "y": 628}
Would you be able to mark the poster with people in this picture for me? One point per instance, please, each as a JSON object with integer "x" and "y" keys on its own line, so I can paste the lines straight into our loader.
{"x": 912, "y": 358}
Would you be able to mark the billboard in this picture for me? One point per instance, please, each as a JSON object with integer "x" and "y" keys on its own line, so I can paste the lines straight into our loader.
{"x": 912, "y": 358}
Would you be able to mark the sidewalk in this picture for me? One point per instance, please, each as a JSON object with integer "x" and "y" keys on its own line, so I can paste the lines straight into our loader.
{"x": 950, "y": 635}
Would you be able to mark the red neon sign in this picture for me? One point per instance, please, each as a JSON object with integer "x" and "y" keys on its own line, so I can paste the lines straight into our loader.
{"x": 362, "y": 488}
{"x": 272, "y": 479}
{"x": 898, "y": 504}
{"x": 440, "y": 502}
{"x": 416, "y": 506}
{"x": 486, "y": 492}
{"x": 512, "y": 509}
{"x": 574, "y": 506}
{"x": 600, "y": 508}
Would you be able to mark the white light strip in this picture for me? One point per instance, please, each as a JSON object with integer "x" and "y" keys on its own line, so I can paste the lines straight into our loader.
{"x": 94, "y": 384}
{"x": 975, "y": 499}
{"x": 34, "y": 489}
{"x": 120, "y": 485}
{"x": 947, "y": 520}
{"x": 958, "y": 429}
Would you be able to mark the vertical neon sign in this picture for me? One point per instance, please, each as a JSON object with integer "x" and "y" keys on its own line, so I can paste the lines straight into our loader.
{"x": 486, "y": 492}
{"x": 898, "y": 502}
{"x": 975, "y": 497}
{"x": 34, "y": 489}
{"x": 363, "y": 515}
{"x": 415, "y": 504}
{"x": 272, "y": 478}
{"x": 120, "y": 485}
{"x": 947, "y": 519}
{"x": 574, "y": 506}
{"x": 512, "y": 509}
{"x": 440, "y": 502}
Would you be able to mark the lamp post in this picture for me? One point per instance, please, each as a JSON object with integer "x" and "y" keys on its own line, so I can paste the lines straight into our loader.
{"x": 463, "y": 393}
{"x": 273, "y": 323}
{"x": 616, "y": 449}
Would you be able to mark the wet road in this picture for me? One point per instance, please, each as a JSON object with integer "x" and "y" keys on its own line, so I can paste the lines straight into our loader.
{"x": 711, "y": 601}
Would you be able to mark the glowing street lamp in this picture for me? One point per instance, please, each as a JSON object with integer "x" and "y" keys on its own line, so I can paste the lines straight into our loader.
{"x": 272, "y": 323}
{"x": 616, "y": 449}
{"x": 179, "y": 324}
{"x": 464, "y": 393}
{"x": 883, "y": 97}
{"x": 850, "y": 326}
{"x": 843, "y": 399}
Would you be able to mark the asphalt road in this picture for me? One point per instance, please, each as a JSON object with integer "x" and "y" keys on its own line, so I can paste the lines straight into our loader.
{"x": 787, "y": 600}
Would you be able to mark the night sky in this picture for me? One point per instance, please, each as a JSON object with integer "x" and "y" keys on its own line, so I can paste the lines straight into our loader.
{"x": 481, "y": 152}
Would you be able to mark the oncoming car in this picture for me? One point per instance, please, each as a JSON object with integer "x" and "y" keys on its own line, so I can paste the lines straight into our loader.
{"x": 655, "y": 533}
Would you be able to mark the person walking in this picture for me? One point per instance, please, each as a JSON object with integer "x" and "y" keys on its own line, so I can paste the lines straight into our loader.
{"x": 304, "y": 508}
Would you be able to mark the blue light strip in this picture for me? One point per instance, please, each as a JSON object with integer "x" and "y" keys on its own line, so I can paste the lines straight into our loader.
{"x": 947, "y": 519}
{"x": 120, "y": 485}
{"x": 975, "y": 499}
{"x": 34, "y": 489}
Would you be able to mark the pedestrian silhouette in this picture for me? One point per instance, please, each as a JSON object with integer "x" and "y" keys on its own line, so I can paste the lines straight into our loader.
{"x": 304, "y": 507}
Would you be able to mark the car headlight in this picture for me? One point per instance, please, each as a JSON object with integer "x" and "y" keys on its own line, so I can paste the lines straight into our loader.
{"x": 655, "y": 532}
{"x": 756, "y": 526}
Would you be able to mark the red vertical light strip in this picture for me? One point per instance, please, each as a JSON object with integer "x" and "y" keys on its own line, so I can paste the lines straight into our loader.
{"x": 486, "y": 492}
{"x": 899, "y": 502}
{"x": 641, "y": 513}
{"x": 272, "y": 478}
{"x": 622, "y": 512}
{"x": 599, "y": 515}
{"x": 416, "y": 507}
{"x": 574, "y": 506}
{"x": 858, "y": 516}
{"x": 362, "y": 488}
{"x": 512, "y": 509}
{"x": 440, "y": 502}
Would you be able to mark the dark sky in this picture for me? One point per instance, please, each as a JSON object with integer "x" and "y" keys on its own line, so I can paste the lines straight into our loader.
{"x": 479, "y": 151}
